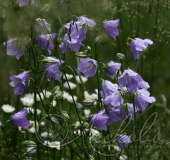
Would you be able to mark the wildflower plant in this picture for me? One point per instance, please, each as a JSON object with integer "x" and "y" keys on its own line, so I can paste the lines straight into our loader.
{"x": 63, "y": 113}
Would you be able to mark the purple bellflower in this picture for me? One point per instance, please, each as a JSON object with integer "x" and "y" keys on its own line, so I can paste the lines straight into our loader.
{"x": 76, "y": 33}
{"x": 111, "y": 94}
{"x": 115, "y": 114}
{"x": 25, "y": 2}
{"x": 20, "y": 83}
{"x": 31, "y": 150}
{"x": 88, "y": 67}
{"x": 142, "y": 99}
{"x": 132, "y": 80}
{"x": 46, "y": 41}
{"x": 112, "y": 69}
{"x": 138, "y": 45}
{"x": 53, "y": 71}
{"x": 14, "y": 47}
{"x": 99, "y": 120}
{"x": 90, "y": 22}
{"x": 110, "y": 27}
{"x": 74, "y": 37}
{"x": 42, "y": 26}
{"x": 123, "y": 141}
{"x": 19, "y": 119}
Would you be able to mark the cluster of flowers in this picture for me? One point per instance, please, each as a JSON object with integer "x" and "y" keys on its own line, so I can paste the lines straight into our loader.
{"x": 112, "y": 94}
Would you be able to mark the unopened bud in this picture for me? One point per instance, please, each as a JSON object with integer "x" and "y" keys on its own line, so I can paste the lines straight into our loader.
{"x": 120, "y": 55}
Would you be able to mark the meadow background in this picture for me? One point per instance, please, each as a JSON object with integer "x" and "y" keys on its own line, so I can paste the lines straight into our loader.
{"x": 144, "y": 19}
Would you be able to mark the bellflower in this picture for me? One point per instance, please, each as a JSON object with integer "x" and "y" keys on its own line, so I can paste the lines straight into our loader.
{"x": 88, "y": 67}
{"x": 20, "y": 83}
{"x": 14, "y": 47}
{"x": 90, "y": 22}
{"x": 112, "y": 69}
{"x": 25, "y": 2}
{"x": 142, "y": 99}
{"x": 73, "y": 38}
{"x": 19, "y": 119}
{"x": 138, "y": 45}
{"x": 99, "y": 120}
{"x": 53, "y": 71}
{"x": 123, "y": 141}
{"x": 132, "y": 80}
{"x": 115, "y": 114}
{"x": 76, "y": 33}
{"x": 111, "y": 94}
{"x": 110, "y": 27}
{"x": 46, "y": 41}
{"x": 42, "y": 26}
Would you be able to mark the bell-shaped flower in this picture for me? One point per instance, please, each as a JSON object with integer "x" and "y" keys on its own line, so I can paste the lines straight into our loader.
{"x": 142, "y": 98}
{"x": 90, "y": 22}
{"x": 111, "y": 94}
{"x": 14, "y": 47}
{"x": 115, "y": 114}
{"x": 46, "y": 41}
{"x": 76, "y": 33}
{"x": 110, "y": 27}
{"x": 123, "y": 141}
{"x": 138, "y": 45}
{"x": 112, "y": 69}
{"x": 99, "y": 120}
{"x": 19, "y": 119}
{"x": 132, "y": 80}
{"x": 53, "y": 71}
{"x": 20, "y": 83}
{"x": 42, "y": 26}
{"x": 88, "y": 67}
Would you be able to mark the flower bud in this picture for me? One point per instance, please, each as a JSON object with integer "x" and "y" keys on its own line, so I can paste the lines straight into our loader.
{"x": 29, "y": 143}
{"x": 120, "y": 55}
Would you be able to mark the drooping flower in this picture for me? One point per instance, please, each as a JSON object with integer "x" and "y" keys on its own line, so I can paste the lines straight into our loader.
{"x": 19, "y": 119}
{"x": 42, "y": 26}
{"x": 76, "y": 33}
{"x": 14, "y": 47}
{"x": 25, "y": 2}
{"x": 132, "y": 80}
{"x": 46, "y": 41}
{"x": 115, "y": 114}
{"x": 142, "y": 98}
{"x": 123, "y": 141}
{"x": 20, "y": 83}
{"x": 111, "y": 94}
{"x": 8, "y": 108}
{"x": 112, "y": 69}
{"x": 90, "y": 22}
{"x": 53, "y": 71}
{"x": 110, "y": 27}
{"x": 74, "y": 37}
{"x": 88, "y": 67}
{"x": 138, "y": 45}
{"x": 99, "y": 120}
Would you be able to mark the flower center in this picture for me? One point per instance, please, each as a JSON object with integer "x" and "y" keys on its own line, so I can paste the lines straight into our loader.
{"x": 54, "y": 144}
{"x": 7, "y": 110}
